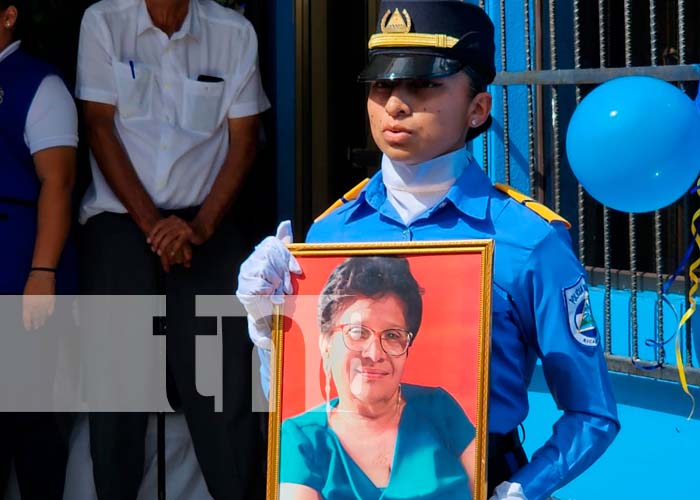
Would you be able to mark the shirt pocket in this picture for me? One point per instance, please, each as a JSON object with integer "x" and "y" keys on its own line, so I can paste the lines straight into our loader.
{"x": 134, "y": 89}
{"x": 201, "y": 110}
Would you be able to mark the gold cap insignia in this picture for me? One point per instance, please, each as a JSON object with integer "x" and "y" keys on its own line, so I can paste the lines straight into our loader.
{"x": 395, "y": 33}
{"x": 399, "y": 22}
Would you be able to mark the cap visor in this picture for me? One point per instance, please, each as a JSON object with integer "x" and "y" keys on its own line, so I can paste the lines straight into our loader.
{"x": 408, "y": 67}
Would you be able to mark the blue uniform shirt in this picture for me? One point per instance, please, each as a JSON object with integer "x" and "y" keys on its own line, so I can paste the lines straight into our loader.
{"x": 540, "y": 310}
{"x": 433, "y": 434}
{"x": 20, "y": 78}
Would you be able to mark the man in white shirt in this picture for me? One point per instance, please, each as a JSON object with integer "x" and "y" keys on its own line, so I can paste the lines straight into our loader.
{"x": 172, "y": 94}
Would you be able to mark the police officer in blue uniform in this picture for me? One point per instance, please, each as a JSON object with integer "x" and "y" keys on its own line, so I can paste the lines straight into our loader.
{"x": 429, "y": 64}
{"x": 38, "y": 139}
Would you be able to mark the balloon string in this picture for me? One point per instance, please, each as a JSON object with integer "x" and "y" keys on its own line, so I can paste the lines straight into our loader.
{"x": 691, "y": 310}
{"x": 679, "y": 269}
{"x": 695, "y": 280}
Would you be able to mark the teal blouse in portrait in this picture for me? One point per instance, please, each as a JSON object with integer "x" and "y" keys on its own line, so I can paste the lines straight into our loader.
{"x": 433, "y": 433}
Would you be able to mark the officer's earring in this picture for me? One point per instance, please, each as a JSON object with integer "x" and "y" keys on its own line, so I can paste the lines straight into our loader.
{"x": 474, "y": 122}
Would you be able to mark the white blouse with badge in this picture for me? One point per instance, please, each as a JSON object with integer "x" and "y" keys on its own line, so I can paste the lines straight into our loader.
{"x": 173, "y": 96}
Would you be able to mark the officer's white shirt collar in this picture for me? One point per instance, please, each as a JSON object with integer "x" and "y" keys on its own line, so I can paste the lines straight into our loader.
{"x": 9, "y": 50}
{"x": 414, "y": 189}
{"x": 190, "y": 26}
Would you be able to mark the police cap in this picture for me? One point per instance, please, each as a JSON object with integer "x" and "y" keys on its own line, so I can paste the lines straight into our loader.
{"x": 422, "y": 39}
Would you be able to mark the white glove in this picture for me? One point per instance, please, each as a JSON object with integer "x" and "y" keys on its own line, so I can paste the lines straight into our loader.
{"x": 263, "y": 278}
{"x": 508, "y": 491}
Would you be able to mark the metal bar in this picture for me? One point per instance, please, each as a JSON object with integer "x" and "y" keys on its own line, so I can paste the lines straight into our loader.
{"x": 686, "y": 292}
{"x": 484, "y": 137}
{"x": 628, "y": 33}
{"x": 607, "y": 281}
{"x": 633, "y": 290}
{"x": 530, "y": 104}
{"x": 556, "y": 156}
{"x": 580, "y": 198}
{"x": 602, "y": 50}
{"x": 622, "y": 364}
{"x": 504, "y": 67}
{"x": 632, "y": 220}
{"x": 658, "y": 236}
{"x": 606, "y": 213}
{"x": 652, "y": 33}
{"x": 620, "y": 280}
{"x": 681, "y": 32}
{"x": 583, "y": 76}
{"x": 485, "y": 152}
{"x": 581, "y": 211}
{"x": 577, "y": 44}
{"x": 160, "y": 425}
{"x": 661, "y": 354}
{"x": 540, "y": 194}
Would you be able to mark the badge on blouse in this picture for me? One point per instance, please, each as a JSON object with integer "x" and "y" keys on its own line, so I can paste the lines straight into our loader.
{"x": 578, "y": 309}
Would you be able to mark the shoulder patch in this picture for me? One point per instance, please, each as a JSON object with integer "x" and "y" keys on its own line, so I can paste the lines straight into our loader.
{"x": 543, "y": 211}
{"x": 578, "y": 309}
{"x": 349, "y": 196}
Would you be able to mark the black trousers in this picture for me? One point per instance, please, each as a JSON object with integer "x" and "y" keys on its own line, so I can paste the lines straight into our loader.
{"x": 39, "y": 447}
{"x": 36, "y": 441}
{"x": 115, "y": 259}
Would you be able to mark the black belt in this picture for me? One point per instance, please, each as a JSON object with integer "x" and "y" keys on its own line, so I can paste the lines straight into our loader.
{"x": 14, "y": 201}
{"x": 17, "y": 201}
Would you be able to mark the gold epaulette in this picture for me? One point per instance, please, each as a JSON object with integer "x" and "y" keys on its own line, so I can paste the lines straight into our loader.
{"x": 545, "y": 212}
{"x": 349, "y": 196}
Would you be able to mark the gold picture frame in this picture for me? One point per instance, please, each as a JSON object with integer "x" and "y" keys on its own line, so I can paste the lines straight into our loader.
{"x": 455, "y": 279}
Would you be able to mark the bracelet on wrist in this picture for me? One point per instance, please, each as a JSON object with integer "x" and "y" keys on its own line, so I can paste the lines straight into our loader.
{"x": 44, "y": 269}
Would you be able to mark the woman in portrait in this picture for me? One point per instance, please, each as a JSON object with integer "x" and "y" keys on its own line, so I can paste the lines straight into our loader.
{"x": 380, "y": 438}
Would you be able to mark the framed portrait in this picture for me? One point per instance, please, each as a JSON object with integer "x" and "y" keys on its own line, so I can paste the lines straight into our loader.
{"x": 380, "y": 373}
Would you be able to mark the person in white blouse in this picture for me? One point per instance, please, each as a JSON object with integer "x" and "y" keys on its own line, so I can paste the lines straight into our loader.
{"x": 171, "y": 95}
{"x": 38, "y": 140}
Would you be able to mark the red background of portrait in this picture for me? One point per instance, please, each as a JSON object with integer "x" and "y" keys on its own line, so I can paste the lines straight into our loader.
{"x": 445, "y": 352}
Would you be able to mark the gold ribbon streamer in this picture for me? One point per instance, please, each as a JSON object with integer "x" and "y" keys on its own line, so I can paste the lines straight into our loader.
{"x": 686, "y": 316}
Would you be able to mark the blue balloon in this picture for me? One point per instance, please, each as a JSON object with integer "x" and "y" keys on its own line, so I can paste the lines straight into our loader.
{"x": 634, "y": 143}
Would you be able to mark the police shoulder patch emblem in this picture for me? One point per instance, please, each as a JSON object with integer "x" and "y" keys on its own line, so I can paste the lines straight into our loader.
{"x": 578, "y": 309}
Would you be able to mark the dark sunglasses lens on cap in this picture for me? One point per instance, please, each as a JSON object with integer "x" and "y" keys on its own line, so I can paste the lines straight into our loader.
{"x": 408, "y": 67}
